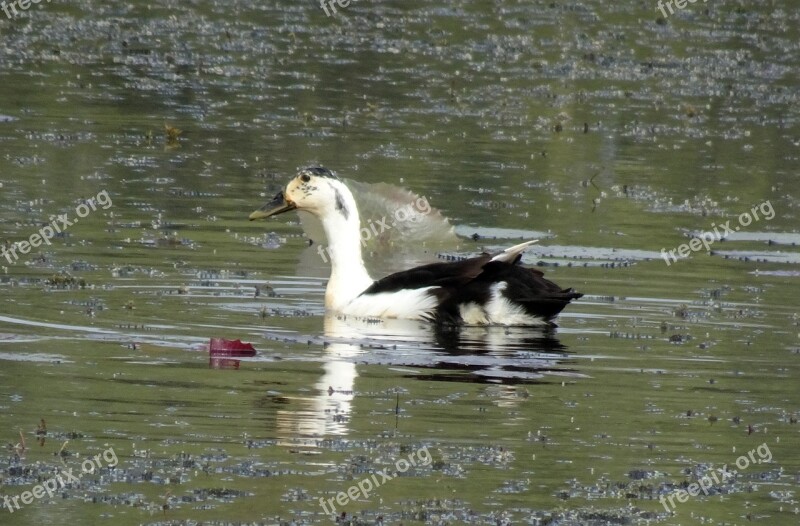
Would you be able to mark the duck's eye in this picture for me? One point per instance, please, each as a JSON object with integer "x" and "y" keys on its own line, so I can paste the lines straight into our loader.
{"x": 305, "y": 178}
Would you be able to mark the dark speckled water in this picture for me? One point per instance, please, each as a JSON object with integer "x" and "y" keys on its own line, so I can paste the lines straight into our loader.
{"x": 604, "y": 129}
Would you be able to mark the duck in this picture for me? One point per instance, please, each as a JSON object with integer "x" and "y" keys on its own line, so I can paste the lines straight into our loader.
{"x": 488, "y": 289}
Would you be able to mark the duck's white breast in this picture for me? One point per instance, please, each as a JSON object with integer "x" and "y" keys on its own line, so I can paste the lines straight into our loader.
{"x": 420, "y": 304}
{"x": 413, "y": 304}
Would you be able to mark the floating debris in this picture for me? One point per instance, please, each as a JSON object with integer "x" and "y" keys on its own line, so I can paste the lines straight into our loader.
{"x": 222, "y": 347}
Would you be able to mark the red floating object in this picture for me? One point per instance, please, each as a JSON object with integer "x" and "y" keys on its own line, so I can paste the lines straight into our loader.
{"x": 223, "y": 347}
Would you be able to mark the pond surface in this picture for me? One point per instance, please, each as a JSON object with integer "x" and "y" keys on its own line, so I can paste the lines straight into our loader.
{"x": 605, "y": 130}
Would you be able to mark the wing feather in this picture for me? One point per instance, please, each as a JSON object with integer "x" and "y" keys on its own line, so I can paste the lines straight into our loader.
{"x": 441, "y": 289}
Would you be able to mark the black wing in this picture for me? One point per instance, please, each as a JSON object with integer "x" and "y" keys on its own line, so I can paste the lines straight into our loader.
{"x": 525, "y": 287}
{"x": 471, "y": 281}
{"x": 445, "y": 275}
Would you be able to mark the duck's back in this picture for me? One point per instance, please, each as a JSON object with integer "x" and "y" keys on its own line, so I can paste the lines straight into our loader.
{"x": 475, "y": 291}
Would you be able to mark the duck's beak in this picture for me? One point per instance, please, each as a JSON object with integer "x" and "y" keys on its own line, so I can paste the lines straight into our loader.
{"x": 277, "y": 206}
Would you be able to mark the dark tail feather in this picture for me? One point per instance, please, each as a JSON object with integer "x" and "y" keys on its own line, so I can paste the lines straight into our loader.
{"x": 549, "y": 306}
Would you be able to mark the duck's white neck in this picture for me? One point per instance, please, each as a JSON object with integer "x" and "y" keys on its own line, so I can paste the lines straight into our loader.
{"x": 349, "y": 277}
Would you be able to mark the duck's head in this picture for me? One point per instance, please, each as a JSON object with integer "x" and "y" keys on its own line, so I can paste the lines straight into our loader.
{"x": 314, "y": 189}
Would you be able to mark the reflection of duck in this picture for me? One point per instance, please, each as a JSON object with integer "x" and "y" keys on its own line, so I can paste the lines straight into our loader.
{"x": 492, "y": 355}
{"x": 485, "y": 290}
{"x": 497, "y": 340}
{"x": 466, "y": 354}
{"x": 327, "y": 408}
{"x": 334, "y": 399}
{"x": 328, "y": 411}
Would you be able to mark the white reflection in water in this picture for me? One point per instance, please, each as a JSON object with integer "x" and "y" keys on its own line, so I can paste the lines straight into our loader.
{"x": 498, "y": 355}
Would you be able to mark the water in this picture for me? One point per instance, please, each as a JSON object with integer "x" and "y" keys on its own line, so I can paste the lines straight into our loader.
{"x": 598, "y": 128}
